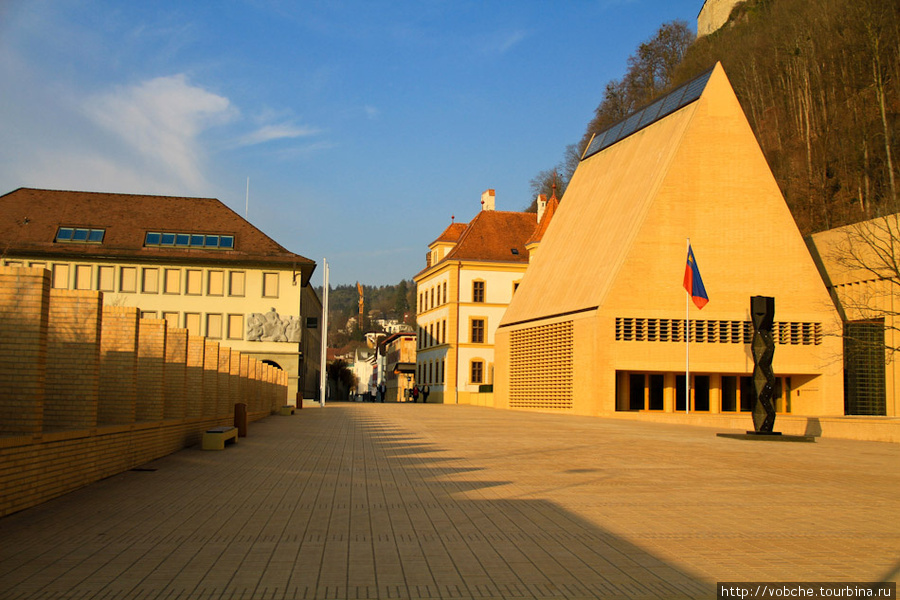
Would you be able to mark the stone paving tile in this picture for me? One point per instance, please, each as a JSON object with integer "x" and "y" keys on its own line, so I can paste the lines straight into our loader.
{"x": 413, "y": 501}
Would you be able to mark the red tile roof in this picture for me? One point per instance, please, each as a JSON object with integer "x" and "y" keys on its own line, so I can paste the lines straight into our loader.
{"x": 549, "y": 210}
{"x": 493, "y": 235}
{"x": 452, "y": 233}
{"x": 126, "y": 219}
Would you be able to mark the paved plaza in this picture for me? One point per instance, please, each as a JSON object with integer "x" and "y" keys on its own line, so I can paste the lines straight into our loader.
{"x": 412, "y": 501}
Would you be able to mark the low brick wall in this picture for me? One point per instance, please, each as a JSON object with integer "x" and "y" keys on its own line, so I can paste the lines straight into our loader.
{"x": 88, "y": 391}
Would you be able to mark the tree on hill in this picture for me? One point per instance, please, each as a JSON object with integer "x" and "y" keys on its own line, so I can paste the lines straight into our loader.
{"x": 820, "y": 85}
{"x": 650, "y": 71}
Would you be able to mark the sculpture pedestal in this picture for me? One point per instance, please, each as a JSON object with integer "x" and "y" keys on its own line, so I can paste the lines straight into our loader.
{"x": 774, "y": 436}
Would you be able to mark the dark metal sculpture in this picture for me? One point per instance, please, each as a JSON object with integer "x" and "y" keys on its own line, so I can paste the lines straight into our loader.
{"x": 762, "y": 312}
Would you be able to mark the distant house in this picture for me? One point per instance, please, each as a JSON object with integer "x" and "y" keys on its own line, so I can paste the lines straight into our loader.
{"x": 598, "y": 325}
{"x": 472, "y": 271}
{"x": 191, "y": 261}
{"x": 397, "y": 364}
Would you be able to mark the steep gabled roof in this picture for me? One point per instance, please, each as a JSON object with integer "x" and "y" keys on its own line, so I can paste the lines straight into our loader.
{"x": 618, "y": 242}
{"x": 126, "y": 219}
{"x": 495, "y": 236}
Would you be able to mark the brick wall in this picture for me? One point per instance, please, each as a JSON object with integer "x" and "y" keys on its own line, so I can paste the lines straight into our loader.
{"x": 88, "y": 391}
{"x": 224, "y": 401}
{"x": 210, "y": 378}
{"x": 73, "y": 360}
{"x": 176, "y": 373}
{"x": 151, "y": 365}
{"x": 24, "y": 312}
{"x": 118, "y": 365}
{"x": 196, "y": 354}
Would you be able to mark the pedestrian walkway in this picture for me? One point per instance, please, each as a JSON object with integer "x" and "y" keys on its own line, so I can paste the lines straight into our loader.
{"x": 431, "y": 501}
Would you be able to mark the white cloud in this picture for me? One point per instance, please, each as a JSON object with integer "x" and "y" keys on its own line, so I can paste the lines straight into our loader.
{"x": 161, "y": 120}
{"x": 268, "y": 133}
{"x": 510, "y": 40}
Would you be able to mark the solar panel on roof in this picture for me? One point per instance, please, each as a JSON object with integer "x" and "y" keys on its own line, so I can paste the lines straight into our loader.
{"x": 631, "y": 124}
{"x": 672, "y": 101}
{"x": 651, "y": 113}
{"x": 694, "y": 89}
{"x": 595, "y": 144}
{"x": 644, "y": 117}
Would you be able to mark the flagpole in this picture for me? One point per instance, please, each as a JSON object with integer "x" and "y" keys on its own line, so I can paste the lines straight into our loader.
{"x": 687, "y": 346}
{"x": 323, "y": 372}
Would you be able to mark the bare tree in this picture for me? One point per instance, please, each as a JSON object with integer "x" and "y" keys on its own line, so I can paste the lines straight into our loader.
{"x": 864, "y": 267}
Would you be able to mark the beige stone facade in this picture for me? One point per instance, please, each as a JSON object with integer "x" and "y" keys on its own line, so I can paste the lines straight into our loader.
{"x": 598, "y": 324}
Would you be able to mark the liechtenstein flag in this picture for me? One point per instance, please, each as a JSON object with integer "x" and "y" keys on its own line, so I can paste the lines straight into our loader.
{"x": 692, "y": 281}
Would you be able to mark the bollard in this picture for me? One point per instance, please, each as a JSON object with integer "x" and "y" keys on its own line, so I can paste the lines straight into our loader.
{"x": 240, "y": 418}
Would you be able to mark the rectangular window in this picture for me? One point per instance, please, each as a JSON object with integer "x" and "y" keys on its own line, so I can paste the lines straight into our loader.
{"x": 729, "y": 393}
{"x": 477, "y": 331}
{"x": 270, "y": 285}
{"x": 128, "y": 279}
{"x": 657, "y": 389}
{"x": 38, "y": 265}
{"x": 236, "y": 283}
{"x": 235, "y": 327}
{"x": 193, "y": 282}
{"x": 192, "y": 323}
{"x": 106, "y": 277}
{"x": 171, "y": 318}
{"x": 214, "y": 326}
{"x": 477, "y": 371}
{"x": 636, "y": 391}
{"x": 216, "y": 284}
{"x": 83, "y": 275}
{"x": 477, "y": 291}
{"x": 61, "y": 277}
{"x": 14, "y": 263}
{"x": 173, "y": 281}
{"x": 148, "y": 314}
{"x": 150, "y": 280}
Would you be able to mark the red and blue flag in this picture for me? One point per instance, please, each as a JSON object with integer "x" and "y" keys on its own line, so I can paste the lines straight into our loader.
{"x": 692, "y": 281}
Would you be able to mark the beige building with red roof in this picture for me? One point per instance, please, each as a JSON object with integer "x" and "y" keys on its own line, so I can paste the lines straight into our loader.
{"x": 472, "y": 271}
{"x": 191, "y": 261}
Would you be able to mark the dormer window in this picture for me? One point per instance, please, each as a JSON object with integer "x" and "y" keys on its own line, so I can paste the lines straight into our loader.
{"x": 81, "y": 235}
{"x": 189, "y": 240}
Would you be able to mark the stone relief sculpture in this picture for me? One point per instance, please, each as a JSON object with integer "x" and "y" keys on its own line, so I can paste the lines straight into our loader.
{"x": 272, "y": 327}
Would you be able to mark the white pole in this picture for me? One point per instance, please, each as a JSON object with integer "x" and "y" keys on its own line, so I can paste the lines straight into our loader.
{"x": 323, "y": 381}
{"x": 247, "y": 204}
{"x": 687, "y": 346}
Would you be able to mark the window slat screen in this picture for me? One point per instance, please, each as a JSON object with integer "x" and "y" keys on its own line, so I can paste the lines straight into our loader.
{"x": 630, "y": 329}
{"x": 541, "y": 365}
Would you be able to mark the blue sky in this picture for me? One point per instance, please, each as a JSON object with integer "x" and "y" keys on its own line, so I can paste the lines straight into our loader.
{"x": 363, "y": 126}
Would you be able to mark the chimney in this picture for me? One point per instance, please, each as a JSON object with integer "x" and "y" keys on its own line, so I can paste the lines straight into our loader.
{"x": 487, "y": 200}
{"x": 541, "y": 206}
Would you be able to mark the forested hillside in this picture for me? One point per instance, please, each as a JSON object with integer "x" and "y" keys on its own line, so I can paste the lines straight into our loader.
{"x": 819, "y": 83}
{"x": 380, "y": 302}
